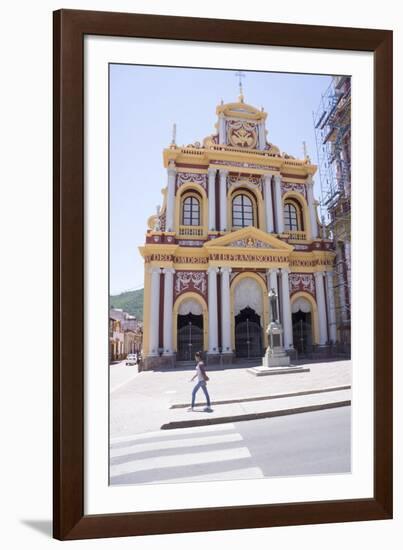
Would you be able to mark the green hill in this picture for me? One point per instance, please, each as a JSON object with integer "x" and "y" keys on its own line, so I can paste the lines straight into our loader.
{"x": 131, "y": 301}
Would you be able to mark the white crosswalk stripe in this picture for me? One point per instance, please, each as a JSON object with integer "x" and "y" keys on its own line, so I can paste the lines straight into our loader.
{"x": 191, "y": 454}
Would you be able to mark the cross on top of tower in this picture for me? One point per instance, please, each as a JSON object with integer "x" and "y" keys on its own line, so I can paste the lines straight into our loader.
{"x": 240, "y": 75}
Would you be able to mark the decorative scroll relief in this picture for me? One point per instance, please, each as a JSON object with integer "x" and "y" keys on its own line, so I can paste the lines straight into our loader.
{"x": 189, "y": 177}
{"x": 249, "y": 243}
{"x": 297, "y": 187}
{"x": 251, "y": 181}
{"x": 301, "y": 281}
{"x": 248, "y": 293}
{"x": 190, "y": 281}
{"x": 241, "y": 134}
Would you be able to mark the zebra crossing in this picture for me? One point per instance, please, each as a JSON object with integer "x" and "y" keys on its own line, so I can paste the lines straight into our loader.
{"x": 208, "y": 453}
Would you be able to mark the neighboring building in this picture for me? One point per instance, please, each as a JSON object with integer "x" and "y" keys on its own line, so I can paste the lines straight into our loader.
{"x": 239, "y": 217}
{"x": 125, "y": 334}
{"x": 333, "y": 135}
{"x": 116, "y": 339}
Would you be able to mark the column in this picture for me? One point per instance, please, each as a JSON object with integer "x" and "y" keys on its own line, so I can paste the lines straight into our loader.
{"x": 312, "y": 208}
{"x": 331, "y": 306}
{"x": 278, "y": 204}
{"x": 286, "y": 309}
{"x": 211, "y": 198}
{"x": 320, "y": 300}
{"x": 154, "y": 310}
{"x": 223, "y": 200}
{"x": 212, "y": 311}
{"x": 168, "y": 309}
{"x": 268, "y": 203}
{"x": 225, "y": 310}
{"x": 169, "y": 222}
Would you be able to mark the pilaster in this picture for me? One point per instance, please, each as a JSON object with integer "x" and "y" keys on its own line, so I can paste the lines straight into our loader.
{"x": 168, "y": 309}
{"x": 223, "y": 200}
{"x": 211, "y": 199}
{"x": 170, "y": 209}
{"x": 278, "y": 204}
{"x": 286, "y": 309}
{"x": 268, "y": 202}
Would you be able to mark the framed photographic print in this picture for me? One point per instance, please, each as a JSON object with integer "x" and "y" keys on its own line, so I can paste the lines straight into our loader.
{"x": 222, "y": 274}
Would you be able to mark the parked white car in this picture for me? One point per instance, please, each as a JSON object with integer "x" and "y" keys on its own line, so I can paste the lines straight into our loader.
{"x": 131, "y": 359}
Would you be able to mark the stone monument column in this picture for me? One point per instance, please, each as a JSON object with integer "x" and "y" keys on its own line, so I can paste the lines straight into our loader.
{"x": 211, "y": 198}
{"x": 168, "y": 310}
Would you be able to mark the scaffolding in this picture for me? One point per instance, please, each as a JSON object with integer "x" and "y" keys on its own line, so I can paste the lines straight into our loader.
{"x": 332, "y": 124}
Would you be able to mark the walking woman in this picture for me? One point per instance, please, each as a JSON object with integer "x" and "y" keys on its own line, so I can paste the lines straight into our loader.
{"x": 201, "y": 382}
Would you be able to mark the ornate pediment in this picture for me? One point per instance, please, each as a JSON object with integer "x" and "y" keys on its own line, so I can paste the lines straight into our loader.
{"x": 249, "y": 238}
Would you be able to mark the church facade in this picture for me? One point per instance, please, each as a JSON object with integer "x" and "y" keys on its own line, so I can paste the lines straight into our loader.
{"x": 238, "y": 218}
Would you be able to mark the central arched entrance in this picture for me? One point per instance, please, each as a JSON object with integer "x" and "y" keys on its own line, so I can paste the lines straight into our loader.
{"x": 248, "y": 334}
{"x": 189, "y": 330}
{"x": 302, "y": 324}
{"x": 249, "y": 315}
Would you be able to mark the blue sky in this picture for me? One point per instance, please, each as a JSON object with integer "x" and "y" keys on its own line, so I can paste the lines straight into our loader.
{"x": 146, "y": 101}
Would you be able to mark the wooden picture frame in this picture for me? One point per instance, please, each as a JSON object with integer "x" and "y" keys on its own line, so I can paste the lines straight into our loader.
{"x": 70, "y": 27}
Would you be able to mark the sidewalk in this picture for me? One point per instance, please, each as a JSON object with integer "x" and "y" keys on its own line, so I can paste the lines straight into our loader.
{"x": 158, "y": 399}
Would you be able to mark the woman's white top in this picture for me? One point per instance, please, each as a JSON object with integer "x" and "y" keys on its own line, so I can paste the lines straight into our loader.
{"x": 200, "y": 376}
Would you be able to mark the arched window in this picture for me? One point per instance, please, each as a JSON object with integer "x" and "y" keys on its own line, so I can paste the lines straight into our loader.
{"x": 242, "y": 211}
{"x": 191, "y": 210}
{"x": 292, "y": 217}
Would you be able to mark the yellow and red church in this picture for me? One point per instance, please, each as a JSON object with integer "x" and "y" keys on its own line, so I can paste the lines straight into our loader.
{"x": 238, "y": 218}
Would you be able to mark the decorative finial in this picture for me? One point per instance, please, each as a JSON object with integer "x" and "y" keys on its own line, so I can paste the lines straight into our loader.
{"x": 173, "y": 142}
{"x": 306, "y": 156}
{"x": 157, "y": 219}
{"x": 240, "y": 75}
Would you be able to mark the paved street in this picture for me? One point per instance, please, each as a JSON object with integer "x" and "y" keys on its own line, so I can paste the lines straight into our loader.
{"x": 144, "y": 402}
{"x": 300, "y": 444}
{"x": 154, "y": 439}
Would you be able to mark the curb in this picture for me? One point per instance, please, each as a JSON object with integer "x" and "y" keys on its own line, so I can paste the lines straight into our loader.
{"x": 266, "y": 397}
{"x": 252, "y": 416}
